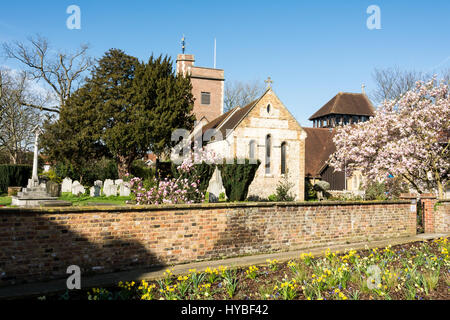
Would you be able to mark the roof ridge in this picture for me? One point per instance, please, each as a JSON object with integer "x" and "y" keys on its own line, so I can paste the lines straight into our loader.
{"x": 232, "y": 112}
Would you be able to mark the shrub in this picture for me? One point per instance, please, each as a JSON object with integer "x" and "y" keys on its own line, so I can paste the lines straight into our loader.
{"x": 200, "y": 173}
{"x": 322, "y": 186}
{"x": 189, "y": 184}
{"x": 164, "y": 169}
{"x": 283, "y": 189}
{"x": 375, "y": 191}
{"x": 310, "y": 193}
{"x": 395, "y": 186}
{"x": 141, "y": 170}
{"x": 237, "y": 178}
{"x": 391, "y": 188}
{"x": 272, "y": 198}
{"x": 14, "y": 176}
{"x": 51, "y": 175}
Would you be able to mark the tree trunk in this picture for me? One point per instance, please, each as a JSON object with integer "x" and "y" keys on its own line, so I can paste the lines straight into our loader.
{"x": 440, "y": 188}
{"x": 123, "y": 166}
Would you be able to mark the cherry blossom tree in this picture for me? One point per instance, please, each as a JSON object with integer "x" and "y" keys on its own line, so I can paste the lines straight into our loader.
{"x": 408, "y": 137}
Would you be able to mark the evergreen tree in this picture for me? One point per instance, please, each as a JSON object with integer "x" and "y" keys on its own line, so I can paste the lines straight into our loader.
{"x": 125, "y": 109}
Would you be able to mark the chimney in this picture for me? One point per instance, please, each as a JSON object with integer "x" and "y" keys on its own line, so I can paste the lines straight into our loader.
{"x": 184, "y": 63}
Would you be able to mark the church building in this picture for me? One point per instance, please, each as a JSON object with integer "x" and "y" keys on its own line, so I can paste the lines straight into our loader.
{"x": 343, "y": 109}
{"x": 266, "y": 130}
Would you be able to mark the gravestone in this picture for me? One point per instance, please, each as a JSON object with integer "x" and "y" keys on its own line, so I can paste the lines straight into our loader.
{"x": 53, "y": 189}
{"x": 98, "y": 183}
{"x": 124, "y": 189}
{"x": 118, "y": 182}
{"x": 108, "y": 182}
{"x": 77, "y": 188}
{"x": 66, "y": 185}
{"x": 110, "y": 190}
{"x": 215, "y": 187}
{"x": 95, "y": 191}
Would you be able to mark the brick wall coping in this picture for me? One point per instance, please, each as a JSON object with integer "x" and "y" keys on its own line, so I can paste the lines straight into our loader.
{"x": 205, "y": 206}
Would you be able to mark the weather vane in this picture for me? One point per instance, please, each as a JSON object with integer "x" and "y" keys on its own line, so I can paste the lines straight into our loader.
{"x": 183, "y": 44}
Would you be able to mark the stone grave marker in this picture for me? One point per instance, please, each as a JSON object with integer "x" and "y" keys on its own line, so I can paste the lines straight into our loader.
{"x": 215, "y": 187}
{"x": 66, "y": 185}
{"x": 110, "y": 190}
{"x": 95, "y": 191}
{"x": 124, "y": 189}
{"x": 106, "y": 185}
{"x": 77, "y": 188}
{"x": 53, "y": 189}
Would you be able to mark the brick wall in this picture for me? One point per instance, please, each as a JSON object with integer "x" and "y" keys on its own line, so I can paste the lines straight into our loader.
{"x": 436, "y": 214}
{"x": 442, "y": 217}
{"x": 40, "y": 244}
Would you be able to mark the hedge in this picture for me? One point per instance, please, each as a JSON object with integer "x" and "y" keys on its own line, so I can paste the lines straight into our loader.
{"x": 236, "y": 178}
{"x": 14, "y": 176}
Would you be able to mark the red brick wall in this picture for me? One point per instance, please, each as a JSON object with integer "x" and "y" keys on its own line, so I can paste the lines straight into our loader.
{"x": 39, "y": 245}
{"x": 442, "y": 219}
{"x": 203, "y": 80}
{"x": 436, "y": 214}
{"x": 207, "y": 80}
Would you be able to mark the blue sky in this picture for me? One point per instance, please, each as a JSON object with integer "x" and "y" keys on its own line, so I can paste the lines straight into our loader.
{"x": 311, "y": 49}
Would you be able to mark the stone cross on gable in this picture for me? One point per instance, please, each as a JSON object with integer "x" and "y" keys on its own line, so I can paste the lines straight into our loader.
{"x": 269, "y": 82}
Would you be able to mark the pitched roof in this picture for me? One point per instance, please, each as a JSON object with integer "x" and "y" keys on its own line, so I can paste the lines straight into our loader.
{"x": 319, "y": 146}
{"x": 236, "y": 118}
{"x": 217, "y": 121}
{"x": 230, "y": 119}
{"x": 346, "y": 103}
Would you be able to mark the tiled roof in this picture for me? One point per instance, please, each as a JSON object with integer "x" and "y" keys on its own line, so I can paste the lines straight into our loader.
{"x": 229, "y": 120}
{"x": 346, "y": 103}
{"x": 318, "y": 147}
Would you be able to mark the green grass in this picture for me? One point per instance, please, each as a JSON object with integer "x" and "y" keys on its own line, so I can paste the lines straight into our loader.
{"x": 84, "y": 200}
{"x": 5, "y": 201}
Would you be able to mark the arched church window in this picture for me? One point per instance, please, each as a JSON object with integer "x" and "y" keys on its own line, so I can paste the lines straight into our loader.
{"x": 251, "y": 149}
{"x": 283, "y": 158}
{"x": 268, "y": 147}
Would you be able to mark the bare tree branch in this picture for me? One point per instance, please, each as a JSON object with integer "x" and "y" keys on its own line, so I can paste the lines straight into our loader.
{"x": 392, "y": 83}
{"x": 240, "y": 94}
{"x": 61, "y": 71}
{"x": 17, "y": 120}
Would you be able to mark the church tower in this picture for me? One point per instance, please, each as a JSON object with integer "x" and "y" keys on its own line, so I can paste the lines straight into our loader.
{"x": 207, "y": 86}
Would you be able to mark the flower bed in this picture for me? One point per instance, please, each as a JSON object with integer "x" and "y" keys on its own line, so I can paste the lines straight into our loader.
{"x": 411, "y": 271}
